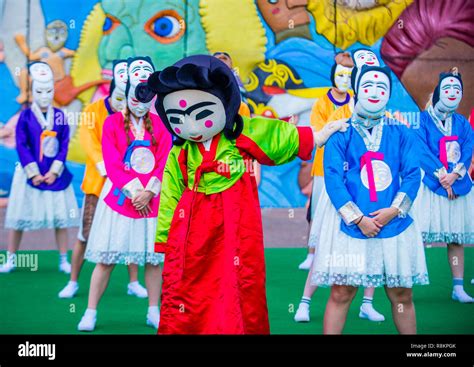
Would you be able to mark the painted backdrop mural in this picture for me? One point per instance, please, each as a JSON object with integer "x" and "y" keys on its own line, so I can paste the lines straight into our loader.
{"x": 282, "y": 51}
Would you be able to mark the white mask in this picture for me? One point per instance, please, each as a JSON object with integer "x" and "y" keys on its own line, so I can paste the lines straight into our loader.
{"x": 365, "y": 57}
{"x": 139, "y": 71}
{"x": 117, "y": 98}
{"x": 41, "y": 72}
{"x": 450, "y": 95}
{"x": 195, "y": 115}
{"x": 373, "y": 93}
{"x": 138, "y": 108}
{"x": 342, "y": 78}
{"x": 43, "y": 93}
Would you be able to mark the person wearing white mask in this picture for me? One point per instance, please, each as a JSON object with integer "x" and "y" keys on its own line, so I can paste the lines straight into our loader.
{"x": 41, "y": 195}
{"x": 445, "y": 202}
{"x": 135, "y": 146}
{"x": 368, "y": 236}
{"x": 337, "y": 104}
{"x": 90, "y": 133}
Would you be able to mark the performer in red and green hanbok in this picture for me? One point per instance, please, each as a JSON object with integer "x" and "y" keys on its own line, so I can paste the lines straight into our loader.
{"x": 209, "y": 221}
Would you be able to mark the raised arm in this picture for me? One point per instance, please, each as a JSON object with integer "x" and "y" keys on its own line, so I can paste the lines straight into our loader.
{"x": 274, "y": 142}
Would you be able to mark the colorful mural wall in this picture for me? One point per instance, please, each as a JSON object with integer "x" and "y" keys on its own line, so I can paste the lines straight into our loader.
{"x": 282, "y": 51}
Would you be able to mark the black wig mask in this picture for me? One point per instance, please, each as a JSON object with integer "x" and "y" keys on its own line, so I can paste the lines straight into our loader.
{"x": 118, "y": 84}
{"x": 208, "y": 91}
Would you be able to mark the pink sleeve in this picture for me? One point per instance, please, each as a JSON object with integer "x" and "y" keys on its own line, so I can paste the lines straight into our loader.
{"x": 113, "y": 158}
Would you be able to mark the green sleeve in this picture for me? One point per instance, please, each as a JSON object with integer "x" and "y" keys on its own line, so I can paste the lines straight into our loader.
{"x": 274, "y": 142}
{"x": 171, "y": 190}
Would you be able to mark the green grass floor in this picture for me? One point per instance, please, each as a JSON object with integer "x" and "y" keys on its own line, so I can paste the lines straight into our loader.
{"x": 29, "y": 302}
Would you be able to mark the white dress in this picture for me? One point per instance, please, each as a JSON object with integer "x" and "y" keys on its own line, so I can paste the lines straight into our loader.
{"x": 117, "y": 239}
{"x": 373, "y": 262}
{"x": 31, "y": 209}
{"x": 444, "y": 220}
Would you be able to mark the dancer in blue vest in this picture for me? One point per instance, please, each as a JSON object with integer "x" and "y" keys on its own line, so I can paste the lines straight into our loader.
{"x": 445, "y": 204}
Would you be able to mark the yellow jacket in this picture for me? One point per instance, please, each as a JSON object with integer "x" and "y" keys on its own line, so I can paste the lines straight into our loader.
{"x": 325, "y": 111}
{"x": 90, "y": 135}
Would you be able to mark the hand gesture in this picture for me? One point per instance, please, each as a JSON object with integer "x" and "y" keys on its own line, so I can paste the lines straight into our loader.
{"x": 384, "y": 216}
{"x": 369, "y": 227}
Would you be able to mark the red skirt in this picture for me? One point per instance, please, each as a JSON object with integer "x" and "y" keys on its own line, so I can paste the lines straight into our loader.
{"x": 214, "y": 272}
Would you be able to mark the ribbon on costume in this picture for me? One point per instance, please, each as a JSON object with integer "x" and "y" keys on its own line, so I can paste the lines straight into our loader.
{"x": 43, "y": 135}
{"x": 366, "y": 159}
{"x": 443, "y": 153}
{"x": 121, "y": 196}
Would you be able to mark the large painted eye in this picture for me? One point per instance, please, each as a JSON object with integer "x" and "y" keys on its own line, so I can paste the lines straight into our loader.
{"x": 166, "y": 26}
{"x": 176, "y": 120}
{"x": 273, "y": 2}
{"x": 110, "y": 23}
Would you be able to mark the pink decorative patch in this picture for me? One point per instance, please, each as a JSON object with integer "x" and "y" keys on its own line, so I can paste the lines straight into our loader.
{"x": 208, "y": 124}
{"x": 177, "y": 130}
{"x": 183, "y": 103}
{"x": 366, "y": 91}
{"x": 383, "y": 93}
{"x": 136, "y": 74}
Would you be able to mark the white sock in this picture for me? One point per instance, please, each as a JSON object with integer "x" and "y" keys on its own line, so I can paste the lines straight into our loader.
{"x": 72, "y": 282}
{"x": 90, "y": 312}
{"x": 63, "y": 258}
{"x": 305, "y": 302}
{"x": 310, "y": 256}
{"x": 133, "y": 283}
{"x": 367, "y": 301}
{"x": 153, "y": 309}
{"x": 458, "y": 285}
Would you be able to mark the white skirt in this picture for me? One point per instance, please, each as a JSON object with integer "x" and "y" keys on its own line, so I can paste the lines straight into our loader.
{"x": 31, "y": 209}
{"x": 373, "y": 262}
{"x": 320, "y": 202}
{"x": 117, "y": 239}
{"x": 444, "y": 220}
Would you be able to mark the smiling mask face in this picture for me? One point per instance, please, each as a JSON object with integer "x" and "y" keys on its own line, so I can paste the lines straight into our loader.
{"x": 450, "y": 95}
{"x": 139, "y": 71}
{"x": 373, "y": 93}
{"x": 194, "y": 115}
{"x": 365, "y": 57}
{"x": 41, "y": 72}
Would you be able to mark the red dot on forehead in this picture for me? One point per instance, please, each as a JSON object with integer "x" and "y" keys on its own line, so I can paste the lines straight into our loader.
{"x": 376, "y": 76}
{"x": 141, "y": 62}
{"x": 183, "y": 103}
{"x": 452, "y": 80}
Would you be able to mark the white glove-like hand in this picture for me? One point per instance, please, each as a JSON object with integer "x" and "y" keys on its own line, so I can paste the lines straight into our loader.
{"x": 322, "y": 136}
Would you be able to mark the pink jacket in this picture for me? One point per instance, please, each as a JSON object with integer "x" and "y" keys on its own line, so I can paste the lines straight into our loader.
{"x": 135, "y": 167}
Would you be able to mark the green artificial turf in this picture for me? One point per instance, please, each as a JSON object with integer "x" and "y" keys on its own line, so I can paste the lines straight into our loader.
{"x": 29, "y": 302}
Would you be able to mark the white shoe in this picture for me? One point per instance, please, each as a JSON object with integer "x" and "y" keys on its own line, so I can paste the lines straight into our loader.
{"x": 88, "y": 321}
{"x": 472, "y": 281}
{"x": 69, "y": 290}
{"x": 462, "y": 297}
{"x": 65, "y": 267}
{"x": 7, "y": 268}
{"x": 302, "y": 314}
{"x": 137, "y": 290}
{"x": 367, "y": 311}
{"x": 306, "y": 264}
{"x": 153, "y": 319}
